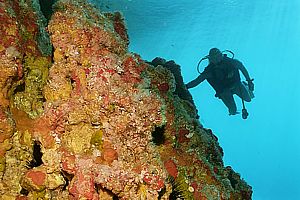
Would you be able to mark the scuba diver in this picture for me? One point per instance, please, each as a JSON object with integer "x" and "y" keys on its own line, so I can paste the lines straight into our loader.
{"x": 222, "y": 73}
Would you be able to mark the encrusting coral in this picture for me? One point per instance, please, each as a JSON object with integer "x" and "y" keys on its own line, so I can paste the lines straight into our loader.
{"x": 86, "y": 119}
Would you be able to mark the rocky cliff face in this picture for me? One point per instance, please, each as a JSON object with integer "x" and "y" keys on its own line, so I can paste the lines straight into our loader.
{"x": 82, "y": 118}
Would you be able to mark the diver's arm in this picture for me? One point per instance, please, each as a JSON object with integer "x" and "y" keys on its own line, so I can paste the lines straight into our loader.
{"x": 196, "y": 81}
{"x": 243, "y": 69}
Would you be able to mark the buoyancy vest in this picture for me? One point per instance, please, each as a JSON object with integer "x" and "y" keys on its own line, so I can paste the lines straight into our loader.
{"x": 224, "y": 75}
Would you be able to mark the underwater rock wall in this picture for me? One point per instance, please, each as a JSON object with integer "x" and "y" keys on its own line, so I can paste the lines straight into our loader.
{"x": 83, "y": 118}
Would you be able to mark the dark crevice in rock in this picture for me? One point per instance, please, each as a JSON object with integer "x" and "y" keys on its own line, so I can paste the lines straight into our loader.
{"x": 115, "y": 197}
{"x": 161, "y": 193}
{"x": 96, "y": 188}
{"x": 52, "y": 54}
{"x": 67, "y": 177}
{"x": 73, "y": 83}
{"x": 46, "y": 8}
{"x": 24, "y": 192}
{"x": 37, "y": 156}
{"x": 20, "y": 88}
{"x": 158, "y": 135}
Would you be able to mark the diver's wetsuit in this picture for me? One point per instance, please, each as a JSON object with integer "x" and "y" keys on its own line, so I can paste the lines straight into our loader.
{"x": 224, "y": 77}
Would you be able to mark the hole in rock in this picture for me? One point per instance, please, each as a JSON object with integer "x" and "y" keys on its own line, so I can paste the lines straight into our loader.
{"x": 158, "y": 135}
{"x": 37, "y": 156}
{"x": 46, "y": 8}
{"x": 20, "y": 88}
{"x": 24, "y": 192}
{"x": 68, "y": 177}
{"x": 161, "y": 193}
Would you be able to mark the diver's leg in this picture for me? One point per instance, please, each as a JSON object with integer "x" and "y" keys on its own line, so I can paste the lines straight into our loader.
{"x": 228, "y": 100}
{"x": 241, "y": 90}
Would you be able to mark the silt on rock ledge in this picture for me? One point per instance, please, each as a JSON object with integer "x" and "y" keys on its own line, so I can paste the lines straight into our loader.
{"x": 83, "y": 118}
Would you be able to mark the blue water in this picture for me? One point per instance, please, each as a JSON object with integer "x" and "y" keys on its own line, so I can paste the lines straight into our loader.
{"x": 265, "y": 36}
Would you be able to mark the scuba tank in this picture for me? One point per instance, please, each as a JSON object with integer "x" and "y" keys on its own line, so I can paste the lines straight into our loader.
{"x": 207, "y": 57}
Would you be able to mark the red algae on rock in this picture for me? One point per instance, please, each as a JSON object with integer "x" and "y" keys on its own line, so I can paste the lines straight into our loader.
{"x": 35, "y": 179}
{"x": 90, "y": 120}
{"x": 171, "y": 168}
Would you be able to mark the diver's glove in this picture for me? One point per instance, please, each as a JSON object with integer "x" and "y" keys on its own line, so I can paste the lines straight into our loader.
{"x": 251, "y": 84}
